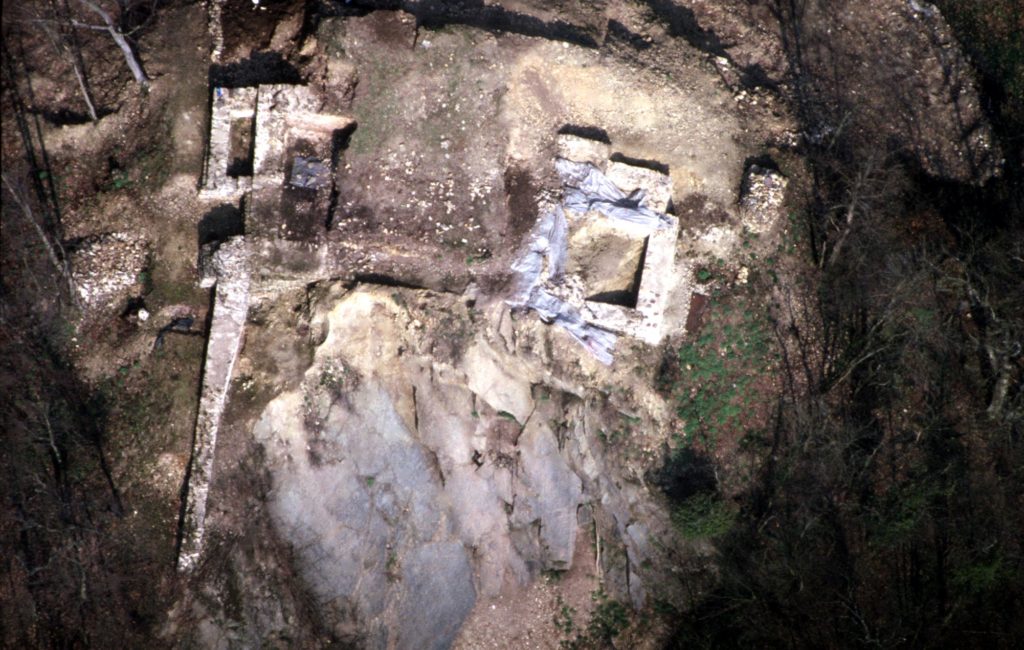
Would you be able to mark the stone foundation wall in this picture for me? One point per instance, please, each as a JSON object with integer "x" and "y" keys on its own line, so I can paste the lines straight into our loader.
{"x": 231, "y": 306}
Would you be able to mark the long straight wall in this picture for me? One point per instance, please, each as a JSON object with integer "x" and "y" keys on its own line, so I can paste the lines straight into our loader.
{"x": 231, "y": 305}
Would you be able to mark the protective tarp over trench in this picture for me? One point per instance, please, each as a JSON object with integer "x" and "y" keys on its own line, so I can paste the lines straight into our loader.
{"x": 585, "y": 189}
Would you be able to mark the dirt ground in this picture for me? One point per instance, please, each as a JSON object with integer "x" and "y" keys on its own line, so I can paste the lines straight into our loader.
{"x": 531, "y": 618}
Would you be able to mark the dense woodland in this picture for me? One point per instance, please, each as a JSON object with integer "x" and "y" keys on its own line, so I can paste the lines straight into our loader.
{"x": 889, "y": 511}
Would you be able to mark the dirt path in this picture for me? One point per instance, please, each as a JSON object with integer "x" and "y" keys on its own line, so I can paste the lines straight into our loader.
{"x": 539, "y": 616}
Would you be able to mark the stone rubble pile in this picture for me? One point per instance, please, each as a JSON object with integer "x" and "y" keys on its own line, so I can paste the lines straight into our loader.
{"x": 106, "y": 267}
{"x": 761, "y": 197}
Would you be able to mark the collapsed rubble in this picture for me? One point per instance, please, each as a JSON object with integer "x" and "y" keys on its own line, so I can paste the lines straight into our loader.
{"x": 106, "y": 267}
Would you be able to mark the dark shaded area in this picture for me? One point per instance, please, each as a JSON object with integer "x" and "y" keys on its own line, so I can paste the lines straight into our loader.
{"x": 697, "y": 210}
{"x": 521, "y": 191}
{"x": 259, "y": 68}
{"x": 685, "y": 473}
{"x": 588, "y": 132}
{"x": 133, "y": 306}
{"x": 695, "y": 316}
{"x": 902, "y": 106}
{"x": 303, "y": 200}
{"x": 67, "y": 117}
{"x": 61, "y": 511}
{"x": 764, "y": 161}
{"x": 135, "y": 17}
{"x": 625, "y": 297}
{"x": 434, "y": 14}
{"x": 18, "y": 92}
{"x": 619, "y": 32}
{"x": 653, "y": 165}
{"x": 247, "y": 26}
{"x": 386, "y": 281}
{"x": 885, "y": 509}
{"x": 340, "y": 141}
{"x": 225, "y": 220}
{"x": 682, "y": 23}
{"x": 622, "y": 298}
{"x": 242, "y": 139}
{"x": 298, "y": 213}
{"x": 182, "y": 325}
{"x": 309, "y": 173}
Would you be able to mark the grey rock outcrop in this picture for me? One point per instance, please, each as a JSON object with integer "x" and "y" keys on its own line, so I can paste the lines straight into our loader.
{"x": 547, "y": 498}
{"x": 407, "y": 495}
{"x": 362, "y": 504}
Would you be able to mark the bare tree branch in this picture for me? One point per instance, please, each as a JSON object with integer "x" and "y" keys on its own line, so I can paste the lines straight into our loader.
{"x": 122, "y": 42}
{"x": 59, "y": 261}
{"x": 71, "y": 52}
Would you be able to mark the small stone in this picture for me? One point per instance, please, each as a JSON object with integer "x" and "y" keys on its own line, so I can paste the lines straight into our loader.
{"x": 143, "y": 315}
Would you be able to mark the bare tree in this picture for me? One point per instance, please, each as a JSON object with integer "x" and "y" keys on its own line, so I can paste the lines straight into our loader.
{"x": 59, "y": 260}
{"x": 62, "y": 35}
{"x": 111, "y": 28}
{"x": 78, "y": 64}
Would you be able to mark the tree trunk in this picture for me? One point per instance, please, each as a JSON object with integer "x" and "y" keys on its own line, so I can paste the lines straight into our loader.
{"x": 85, "y": 91}
{"x": 78, "y": 65}
{"x": 122, "y": 42}
{"x": 60, "y": 262}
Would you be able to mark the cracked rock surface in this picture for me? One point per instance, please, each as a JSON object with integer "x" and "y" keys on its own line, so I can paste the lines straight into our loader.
{"x": 411, "y": 487}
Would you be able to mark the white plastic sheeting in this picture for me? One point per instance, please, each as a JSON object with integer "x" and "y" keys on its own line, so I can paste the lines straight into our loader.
{"x": 585, "y": 189}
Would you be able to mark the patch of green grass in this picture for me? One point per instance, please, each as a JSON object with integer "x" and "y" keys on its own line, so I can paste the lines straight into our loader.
{"x": 152, "y": 168}
{"x": 902, "y": 511}
{"x": 980, "y": 577}
{"x": 563, "y": 619}
{"x": 608, "y": 620}
{"x": 167, "y": 291}
{"x": 337, "y": 377}
{"x": 703, "y": 515}
{"x": 391, "y": 568}
{"x": 118, "y": 181}
{"x": 717, "y": 368}
{"x": 553, "y": 575}
{"x": 376, "y": 114}
{"x": 619, "y": 433}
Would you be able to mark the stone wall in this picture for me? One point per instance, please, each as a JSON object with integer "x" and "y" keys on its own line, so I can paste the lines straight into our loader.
{"x": 231, "y": 305}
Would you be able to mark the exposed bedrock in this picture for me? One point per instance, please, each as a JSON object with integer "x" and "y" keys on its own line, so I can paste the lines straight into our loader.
{"x": 411, "y": 486}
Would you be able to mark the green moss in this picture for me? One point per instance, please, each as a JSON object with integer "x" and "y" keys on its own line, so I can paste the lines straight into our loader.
{"x": 703, "y": 515}
{"x": 717, "y": 368}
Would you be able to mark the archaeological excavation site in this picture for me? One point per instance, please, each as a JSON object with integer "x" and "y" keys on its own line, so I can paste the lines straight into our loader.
{"x": 480, "y": 324}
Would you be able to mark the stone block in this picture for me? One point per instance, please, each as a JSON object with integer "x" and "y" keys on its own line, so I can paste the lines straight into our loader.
{"x": 606, "y": 255}
{"x": 657, "y": 187}
{"x": 578, "y": 149}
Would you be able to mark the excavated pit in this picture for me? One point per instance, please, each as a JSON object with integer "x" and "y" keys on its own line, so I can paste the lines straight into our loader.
{"x": 441, "y": 451}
